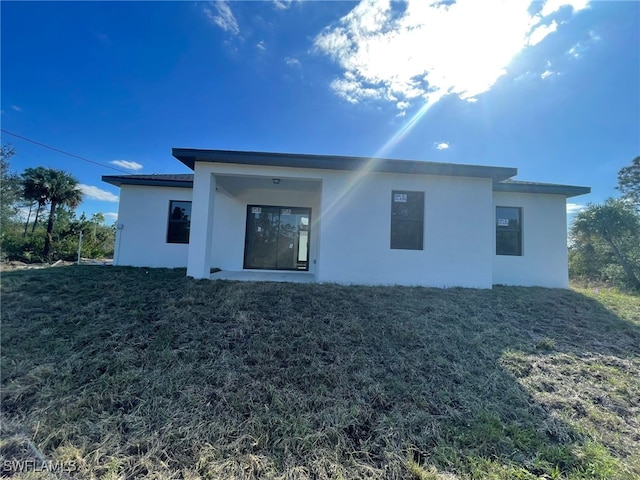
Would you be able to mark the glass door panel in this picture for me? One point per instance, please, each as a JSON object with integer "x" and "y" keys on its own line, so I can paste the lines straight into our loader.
{"x": 262, "y": 237}
{"x": 277, "y": 238}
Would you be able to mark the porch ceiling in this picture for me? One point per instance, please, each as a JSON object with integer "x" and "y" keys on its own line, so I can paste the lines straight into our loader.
{"x": 237, "y": 184}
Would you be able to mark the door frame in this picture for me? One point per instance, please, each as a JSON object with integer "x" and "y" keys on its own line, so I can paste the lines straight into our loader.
{"x": 246, "y": 238}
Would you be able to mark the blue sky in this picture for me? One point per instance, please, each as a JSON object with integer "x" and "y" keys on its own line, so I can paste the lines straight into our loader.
{"x": 551, "y": 88}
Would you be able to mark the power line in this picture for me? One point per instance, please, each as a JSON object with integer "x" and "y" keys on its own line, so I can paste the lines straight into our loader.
{"x": 61, "y": 151}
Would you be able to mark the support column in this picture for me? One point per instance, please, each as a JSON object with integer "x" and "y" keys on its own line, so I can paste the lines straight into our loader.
{"x": 201, "y": 232}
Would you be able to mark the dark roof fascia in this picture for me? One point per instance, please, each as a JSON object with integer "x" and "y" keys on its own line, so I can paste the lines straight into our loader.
{"x": 502, "y": 186}
{"x": 190, "y": 156}
{"x": 548, "y": 188}
{"x": 150, "y": 182}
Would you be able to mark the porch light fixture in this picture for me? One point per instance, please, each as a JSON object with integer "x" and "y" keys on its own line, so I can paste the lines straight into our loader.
{"x": 276, "y": 181}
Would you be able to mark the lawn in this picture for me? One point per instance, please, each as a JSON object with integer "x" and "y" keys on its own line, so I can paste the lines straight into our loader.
{"x": 111, "y": 372}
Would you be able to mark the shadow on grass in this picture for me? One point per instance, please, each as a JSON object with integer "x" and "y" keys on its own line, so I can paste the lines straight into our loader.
{"x": 143, "y": 372}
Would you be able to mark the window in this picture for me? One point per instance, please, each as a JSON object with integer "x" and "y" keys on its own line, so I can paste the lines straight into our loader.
{"x": 509, "y": 231}
{"x": 179, "y": 222}
{"x": 407, "y": 220}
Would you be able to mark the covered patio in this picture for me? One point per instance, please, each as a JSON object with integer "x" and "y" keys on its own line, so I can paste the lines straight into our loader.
{"x": 254, "y": 224}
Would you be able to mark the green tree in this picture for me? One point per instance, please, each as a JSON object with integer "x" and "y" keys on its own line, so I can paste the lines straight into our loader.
{"x": 629, "y": 182}
{"x": 616, "y": 225}
{"x": 10, "y": 190}
{"x": 66, "y": 235}
{"x": 62, "y": 190}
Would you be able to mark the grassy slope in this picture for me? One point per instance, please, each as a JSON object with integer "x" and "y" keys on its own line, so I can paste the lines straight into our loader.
{"x": 132, "y": 373}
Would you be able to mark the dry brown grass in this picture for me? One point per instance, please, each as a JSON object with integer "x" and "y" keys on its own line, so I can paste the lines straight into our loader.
{"x": 143, "y": 373}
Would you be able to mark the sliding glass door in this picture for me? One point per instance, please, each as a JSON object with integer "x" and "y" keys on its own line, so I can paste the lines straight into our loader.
{"x": 277, "y": 238}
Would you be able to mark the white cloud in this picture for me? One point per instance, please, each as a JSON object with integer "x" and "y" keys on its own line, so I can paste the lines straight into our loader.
{"x": 353, "y": 90}
{"x": 95, "y": 193}
{"x": 442, "y": 145}
{"x": 581, "y": 47}
{"x": 222, "y": 17}
{"x": 292, "y": 62}
{"x": 111, "y": 216}
{"x": 399, "y": 52}
{"x": 575, "y": 51}
{"x": 282, "y": 4}
{"x": 573, "y": 208}
{"x": 261, "y": 45}
{"x": 128, "y": 164}
{"x": 548, "y": 72}
{"x": 16, "y": 108}
{"x": 552, "y": 6}
{"x": 539, "y": 33}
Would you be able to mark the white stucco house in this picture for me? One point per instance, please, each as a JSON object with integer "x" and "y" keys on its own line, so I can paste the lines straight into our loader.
{"x": 345, "y": 220}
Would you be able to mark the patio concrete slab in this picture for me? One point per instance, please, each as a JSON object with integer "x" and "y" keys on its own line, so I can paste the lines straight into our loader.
{"x": 265, "y": 276}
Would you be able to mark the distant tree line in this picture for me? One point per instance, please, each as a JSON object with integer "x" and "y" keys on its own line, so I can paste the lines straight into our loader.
{"x": 37, "y": 216}
{"x": 605, "y": 238}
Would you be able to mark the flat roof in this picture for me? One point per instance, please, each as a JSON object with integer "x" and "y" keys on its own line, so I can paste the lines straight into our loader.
{"x": 501, "y": 176}
{"x": 180, "y": 180}
{"x": 536, "y": 187}
{"x": 189, "y": 156}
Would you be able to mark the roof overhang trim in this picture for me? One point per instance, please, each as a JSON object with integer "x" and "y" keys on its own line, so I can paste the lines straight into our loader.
{"x": 190, "y": 157}
{"x": 545, "y": 188}
{"x": 123, "y": 180}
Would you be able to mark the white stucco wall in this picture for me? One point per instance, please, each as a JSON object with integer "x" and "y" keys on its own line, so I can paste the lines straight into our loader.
{"x": 144, "y": 214}
{"x": 356, "y": 229}
{"x": 544, "y": 260}
{"x": 350, "y": 229}
{"x": 351, "y": 226}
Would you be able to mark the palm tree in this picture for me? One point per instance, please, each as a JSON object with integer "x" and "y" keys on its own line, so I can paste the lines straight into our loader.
{"x": 62, "y": 190}
{"x": 35, "y": 183}
{"x": 96, "y": 218}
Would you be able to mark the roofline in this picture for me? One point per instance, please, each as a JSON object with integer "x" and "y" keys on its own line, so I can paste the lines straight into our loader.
{"x": 548, "y": 188}
{"x": 189, "y": 157}
{"x": 513, "y": 186}
{"x": 118, "y": 181}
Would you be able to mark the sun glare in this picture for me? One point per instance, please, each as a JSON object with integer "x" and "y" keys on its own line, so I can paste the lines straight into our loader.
{"x": 403, "y": 52}
{"x": 421, "y": 51}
